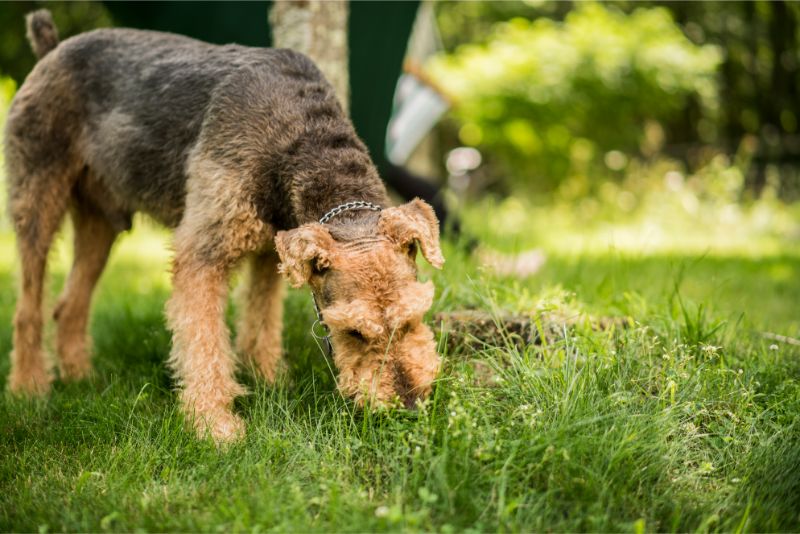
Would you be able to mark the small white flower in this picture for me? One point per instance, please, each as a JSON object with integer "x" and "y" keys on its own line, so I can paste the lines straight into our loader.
{"x": 773, "y": 347}
{"x": 381, "y": 511}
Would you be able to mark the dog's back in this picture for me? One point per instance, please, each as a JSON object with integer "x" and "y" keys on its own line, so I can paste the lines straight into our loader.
{"x": 129, "y": 106}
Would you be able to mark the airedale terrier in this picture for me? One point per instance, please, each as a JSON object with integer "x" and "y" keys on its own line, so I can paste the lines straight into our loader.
{"x": 241, "y": 150}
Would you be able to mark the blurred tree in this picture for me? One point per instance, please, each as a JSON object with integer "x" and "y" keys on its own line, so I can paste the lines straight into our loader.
{"x": 472, "y": 22}
{"x": 758, "y": 77}
{"x": 549, "y": 97}
{"x": 759, "y": 81}
{"x": 319, "y": 30}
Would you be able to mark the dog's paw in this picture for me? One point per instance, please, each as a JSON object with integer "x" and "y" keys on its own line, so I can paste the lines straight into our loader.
{"x": 75, "y": 367}
{"x": 222, "y": 426}
{"x": 31, "y": 382}
{"x": 271, "y": 368}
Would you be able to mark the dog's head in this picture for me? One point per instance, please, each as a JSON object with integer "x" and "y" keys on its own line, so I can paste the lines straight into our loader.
{"x": 371, "y": 300}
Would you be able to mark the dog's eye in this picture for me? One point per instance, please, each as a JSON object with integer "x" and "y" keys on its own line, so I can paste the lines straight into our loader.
{"x": 355, "y": 334}
{"x": 319, "y": 270}
{"x": 412, "y": 250}
{"x": 402, "y": 329}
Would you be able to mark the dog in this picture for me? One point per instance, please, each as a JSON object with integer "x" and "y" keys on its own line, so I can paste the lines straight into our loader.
{"x": 248, "y": 155}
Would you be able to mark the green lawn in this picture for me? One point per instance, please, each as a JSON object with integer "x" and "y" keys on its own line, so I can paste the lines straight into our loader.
{"x": 689, "y": 419}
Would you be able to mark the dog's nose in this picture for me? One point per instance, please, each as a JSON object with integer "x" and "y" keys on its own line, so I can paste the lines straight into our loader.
{"x": 410, "y": 402}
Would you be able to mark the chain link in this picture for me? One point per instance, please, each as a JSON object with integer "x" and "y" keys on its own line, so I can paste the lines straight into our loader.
{"x": 347, "y": 206}
{"x": 325, "y": 337}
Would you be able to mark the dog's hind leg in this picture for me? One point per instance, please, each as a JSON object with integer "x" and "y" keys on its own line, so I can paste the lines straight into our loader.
{"x": 258, "y": 335}
{"x": 94, "y": 235}
{"x": 37, "y": 204}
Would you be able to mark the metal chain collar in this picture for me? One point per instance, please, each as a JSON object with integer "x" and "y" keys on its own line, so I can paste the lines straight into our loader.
{"x": 325, "y": 337}
{"x": 347, "y": 206}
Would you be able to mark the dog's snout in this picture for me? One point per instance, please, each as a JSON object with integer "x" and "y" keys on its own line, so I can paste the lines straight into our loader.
{"x": 410, "y": 402}
{"x": 404, "y": 388}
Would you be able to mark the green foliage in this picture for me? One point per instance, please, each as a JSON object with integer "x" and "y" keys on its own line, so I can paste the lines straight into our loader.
{"x": 546, "y": 96}
{"x": 7, "y": 90}
{"x": 471, "y": 22}
{"x": 761, "y": 74}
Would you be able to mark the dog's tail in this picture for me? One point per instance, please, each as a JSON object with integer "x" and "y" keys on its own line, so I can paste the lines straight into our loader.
{"x": 42, "y": 32}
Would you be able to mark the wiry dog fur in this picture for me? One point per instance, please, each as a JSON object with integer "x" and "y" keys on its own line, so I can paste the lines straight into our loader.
{"x": 240, "y": 150}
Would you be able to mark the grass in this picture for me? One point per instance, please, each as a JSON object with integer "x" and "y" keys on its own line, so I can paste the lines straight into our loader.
{"x": 687, "y": 420}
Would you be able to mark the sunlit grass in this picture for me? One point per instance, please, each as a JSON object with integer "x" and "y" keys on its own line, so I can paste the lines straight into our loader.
{"x": 662, "y": 226}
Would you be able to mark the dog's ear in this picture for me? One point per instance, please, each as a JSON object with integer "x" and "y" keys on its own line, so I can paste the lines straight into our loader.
{"x": 414, "y": 222}
{"x": 302, "y": 251}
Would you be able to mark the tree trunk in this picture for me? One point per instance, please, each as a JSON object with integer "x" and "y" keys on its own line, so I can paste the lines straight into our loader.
{"x": 318, "y": 29}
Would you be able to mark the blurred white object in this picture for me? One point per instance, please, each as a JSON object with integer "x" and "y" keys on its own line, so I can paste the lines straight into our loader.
{"x": 460, "y": 161}
{"x": 463, "y": 159}
{"x": 418, "y": 103}
{"x": 418, "y": 107}
{"x": 521, "y": 265}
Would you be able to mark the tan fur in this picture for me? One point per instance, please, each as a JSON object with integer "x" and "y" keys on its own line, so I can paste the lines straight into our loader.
{"x": 41, "y": 32}
{"x": 302, "y": 250}
{"x": 40, "y": 182}
{"x": 36, "y": 213}
{"x": 260, "y": 323}
{"x": 30, "y": 372}
{"x": 219, "y": 223}
{"x": 94, "y": 236}
{"x": 414, "y": 221}
{"x": 218, "y": 228}
{"x": 371, "y": 290}
{"x": 201, "y": 356}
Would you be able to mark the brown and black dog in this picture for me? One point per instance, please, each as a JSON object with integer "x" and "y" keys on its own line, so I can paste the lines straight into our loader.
{"x": 241, "y": 150}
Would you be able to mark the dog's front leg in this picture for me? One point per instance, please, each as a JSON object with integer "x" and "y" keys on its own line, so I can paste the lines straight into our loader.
{"x": 220, "y": 226}
{"x": 201, "y": 357}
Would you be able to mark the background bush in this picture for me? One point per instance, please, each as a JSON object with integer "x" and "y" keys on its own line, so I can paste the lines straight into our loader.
{"x": 549, "y": 97}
